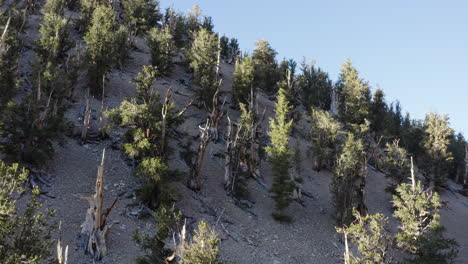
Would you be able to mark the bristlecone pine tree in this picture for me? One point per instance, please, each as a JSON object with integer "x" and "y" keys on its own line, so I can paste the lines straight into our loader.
{"x": 421, "y": 233}
{"x": 168, "y": 222}
{"x": 161, "y": 47}
{"x": 266, "y": 68}
{"x": 203, "y": 248}
{"x": 370, "y": 236}
{"x": 144, "y": 139}
{"x": 325, "y": 132}
{"x": 141, "y": 15}
{"x": 354, "y": 97}
{"x": 435, "y": 142}
{"x": 348, "y": 182}
{"x": 103, "y": 48}
{"x": 24, "y": 237}
{"x": 315, "y": 87}
{"x": 243, "y": 81}
{"x": 396, "y": 163}
{"x": 54, "y": 41}
{"x": 203, "y": 59}
{"x": 280, "y": 156}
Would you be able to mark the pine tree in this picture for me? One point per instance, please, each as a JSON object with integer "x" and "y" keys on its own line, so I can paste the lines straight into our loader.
{"x": 243, "y": 81}
{"x": 167, "y": 222}
{"x": 9, "y": 52}
{"x": 266, "y": 68}
{"x": 435, "y": 143}
{"x": 203, "y": 59}
{"x": 325, "y": 132}
{"x": 371, "y": 237}
{"x": 354, "y": 97}
{"x": 457, "y": 168}
{"x": 280, "y": 157}
{"x": 421, "y": 233}
{"x": 141, "y": 15}
{"x": 103, "y": 50}
{"x": 396, "y": 163}
{"x": 203, "y": 248}
{"x": 24, "y": 237}
{"x": 161, "y": 47}
{"x": 378, "y": 112}
{"x": 233, "y": 50}
{"x": 54, "y": 41}
{"x": 349, "y": 179}
{"x": 144, "y": 139}
{"x": 315, "y": 87}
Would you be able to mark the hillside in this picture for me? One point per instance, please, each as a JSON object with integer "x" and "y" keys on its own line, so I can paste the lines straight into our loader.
{"x": 248, "y": 232}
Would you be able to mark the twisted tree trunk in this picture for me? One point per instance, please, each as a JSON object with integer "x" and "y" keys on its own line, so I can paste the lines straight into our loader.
{"x": 94, "y": 229}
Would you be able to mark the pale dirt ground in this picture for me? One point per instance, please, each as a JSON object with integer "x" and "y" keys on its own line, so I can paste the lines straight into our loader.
{"x": 253, "y": 237}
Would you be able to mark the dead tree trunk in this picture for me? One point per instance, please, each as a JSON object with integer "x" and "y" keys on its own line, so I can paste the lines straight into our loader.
{"x": 94, "y": 229}
{"x": 254, "y": 162}
{"x": 62, "y": 255}
{"x": 216, "y": 113}
{"x": 164, "y": 110}
{"x": 102, "y": 118}
{"x": 195, "y": 174}
{"x": 228, "y": 157}
{"x": 86, "y": 120}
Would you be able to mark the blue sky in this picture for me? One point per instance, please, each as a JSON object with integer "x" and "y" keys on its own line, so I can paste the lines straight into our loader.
{"x": 416, "y": 51}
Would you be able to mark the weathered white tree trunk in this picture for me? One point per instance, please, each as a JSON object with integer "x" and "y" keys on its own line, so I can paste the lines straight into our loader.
{"x": 62, "y": 255}
{"x": 195, "y": 175}
{"x": 86, "y": 120}
{"x": 94, "y": 229}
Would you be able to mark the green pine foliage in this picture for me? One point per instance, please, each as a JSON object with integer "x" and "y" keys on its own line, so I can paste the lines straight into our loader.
{"x": 9, "y": 54}
{"x": 315, "y": 87}
{"x": 370, "y": 235}
{"x": 349, "y": 178}
{"x": 457, "y": 147}
{"x": 325, "y": 135}
{"x": 280, "y": 156}
{"x": 354, "y": 97}
{"x": 142, "y": 116}
{"x": 243, "y": 81}
{"x": 203, "y": 248}
{"x": 103, "y": 48}
{"x": 435, "y": 143}
{"x": 378, "y": 113}
{"x": 421, "y": 233}
{"x": 266, "y": 67}
{"x": 167, "y": 221}
{"x": 162, "y": 48}
{"x": 141, "y": 15}
{"x": 203, "y": 58}
{"x": 54, "y": 41}
{"x": 396, "y": 163}
{"x": 24, "y": 237}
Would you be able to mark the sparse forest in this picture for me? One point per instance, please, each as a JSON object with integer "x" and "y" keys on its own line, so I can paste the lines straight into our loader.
{"x": 133, "y": 133}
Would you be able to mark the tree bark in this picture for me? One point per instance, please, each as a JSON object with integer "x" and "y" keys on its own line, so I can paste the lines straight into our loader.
{"x": 94, "y": 229}
{"x": 195, "y": 175}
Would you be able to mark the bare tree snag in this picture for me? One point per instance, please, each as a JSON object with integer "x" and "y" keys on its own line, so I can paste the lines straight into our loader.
{"x": 254, "y": 162}
{"x": 231, "y": 156}
{"x": 164, "y": 109}
{"x": 62, "y": 256}
{"x": 195, "y": 174}
{"x": 2, "y": 40}
{"x": 228, "y": 177}
{"x": 102, "y": 118}
{"x": 86, "y": 120}
{"x": 216, "y": 113}
{"x": 94, "y": 229}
